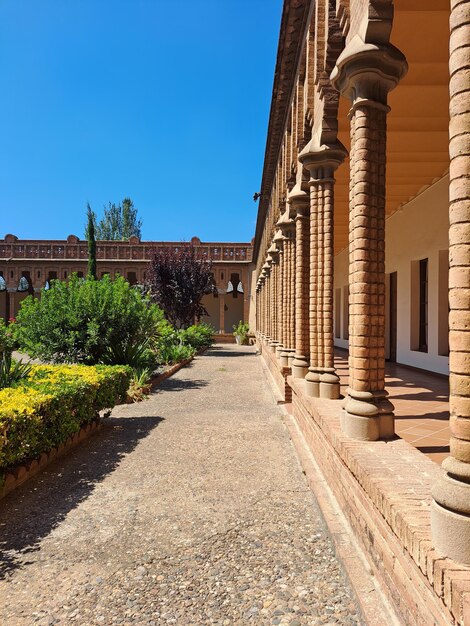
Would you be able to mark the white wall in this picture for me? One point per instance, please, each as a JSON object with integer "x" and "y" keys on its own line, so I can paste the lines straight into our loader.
{"x": 418, "y": 230}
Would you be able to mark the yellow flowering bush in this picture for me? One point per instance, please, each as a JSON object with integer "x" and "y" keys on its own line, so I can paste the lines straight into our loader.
{"x": 53, "y": 403}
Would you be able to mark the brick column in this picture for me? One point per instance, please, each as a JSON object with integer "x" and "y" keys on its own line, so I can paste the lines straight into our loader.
{"x": 264, "y": 288}
{"x": 287, "y": 226}
{"x": 274, "y": 255}
{"x": 450, "y": 512}
{"x": 365, "y": 73}
{"x": 269, "y": 300}
{"x": 299, "y": 202}
{"x": 321, "y": 380}
{"x": 290, "y": 234}
{"x": 278, "y": 241}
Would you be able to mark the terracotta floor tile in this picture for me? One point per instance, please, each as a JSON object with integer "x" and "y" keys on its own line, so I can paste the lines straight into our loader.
{"x": 421, "y": 406}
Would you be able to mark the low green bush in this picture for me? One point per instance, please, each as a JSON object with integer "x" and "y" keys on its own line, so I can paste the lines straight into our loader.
{"x": 53, "y": 403}
{"x": 198, "y": 336}
{"x": 175, "y": 353}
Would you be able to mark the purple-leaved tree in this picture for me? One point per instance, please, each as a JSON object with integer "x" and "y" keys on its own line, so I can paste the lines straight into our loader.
{"x": 177, "y": 281}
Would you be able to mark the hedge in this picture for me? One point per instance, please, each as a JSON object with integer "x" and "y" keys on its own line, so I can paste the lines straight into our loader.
{"x": 54, "y": 402}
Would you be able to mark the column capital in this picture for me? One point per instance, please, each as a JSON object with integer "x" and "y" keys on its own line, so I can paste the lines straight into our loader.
{"x": 273, "y": 253}
{"x": 368, "y": 71}
{"x": 322, "y": 161}
{"x": 278, "y": 240}
{"x": 298, "y": 201}
{"x": 286, "y": 224}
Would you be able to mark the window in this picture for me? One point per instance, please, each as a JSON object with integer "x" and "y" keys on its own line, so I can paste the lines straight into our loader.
{"x": 419, "y": 306}
{"x": 338, "y": 313}
{"x": 132, "y": 278}
{"x": 235, "y": 279}
{"x": 346, "y": 312}
{"x": 423, "y": 305}
{"x": 443, "y": 304}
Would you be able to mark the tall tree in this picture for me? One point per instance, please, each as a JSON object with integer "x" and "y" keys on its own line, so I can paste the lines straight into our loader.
{"x": 90, "y": 235}
{"x": 119, "y": 222}
{"x": 177, "y": 281}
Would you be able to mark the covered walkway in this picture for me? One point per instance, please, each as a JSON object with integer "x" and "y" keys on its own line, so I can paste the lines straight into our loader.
{"x": 188, "y": 508}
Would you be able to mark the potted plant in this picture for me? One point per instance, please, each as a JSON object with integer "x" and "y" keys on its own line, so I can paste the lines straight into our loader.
{"x": 241, "y": 331}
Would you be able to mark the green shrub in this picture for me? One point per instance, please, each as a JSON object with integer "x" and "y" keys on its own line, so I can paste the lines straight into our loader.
{"x": 137, "y": 355}
{"x": 81, "y": 321}
{"x": 198, "y": 336}
{"x": 52, "y": 404}
{"x": 7, "y": 341}
{"x": 12, "y": 371}
{"x": 175, "y": 353}
{"x": 241, "y": 331}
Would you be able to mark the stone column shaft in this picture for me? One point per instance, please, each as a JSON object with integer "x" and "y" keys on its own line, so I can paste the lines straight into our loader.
{"x": 291, "y": 315}
{"x": 287, "y": 228}
{"x": 450, "y": 512}
{"x": 365, "y": 74}
{"x": 302, "y": 271}
{"x": 322, "y": 161}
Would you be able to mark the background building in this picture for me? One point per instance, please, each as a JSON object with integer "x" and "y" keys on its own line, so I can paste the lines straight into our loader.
{"x": 40, "y": 261}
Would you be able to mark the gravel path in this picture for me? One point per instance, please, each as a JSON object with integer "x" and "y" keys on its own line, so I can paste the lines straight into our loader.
{"x": 189, "y": 508}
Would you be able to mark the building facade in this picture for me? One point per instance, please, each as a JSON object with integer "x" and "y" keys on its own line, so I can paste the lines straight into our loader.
{"x": 362, "y": 245}
{"x": 38, "y": 262}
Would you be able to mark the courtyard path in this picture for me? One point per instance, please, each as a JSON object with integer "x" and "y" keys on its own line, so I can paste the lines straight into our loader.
{"x": 189, "y": 508}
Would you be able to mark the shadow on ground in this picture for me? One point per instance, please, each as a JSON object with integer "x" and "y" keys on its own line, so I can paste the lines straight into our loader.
{"x": 33, "y": 511}
{"x": 178, "y": 384}
{"x": 217, "y": 351}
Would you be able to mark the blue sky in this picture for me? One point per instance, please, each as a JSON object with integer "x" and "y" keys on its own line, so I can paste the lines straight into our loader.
{"x": 164, "y": 101}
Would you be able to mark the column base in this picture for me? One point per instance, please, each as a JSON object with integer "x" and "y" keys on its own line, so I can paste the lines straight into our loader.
{"x": 329, "y": 384}
{"x": 368, "y": 416}
{"x": 450, "y": 533}
{"x": 450, "y": 511}
{"x": 312, "y": 383}
{"x": 299, "y": 366}
{"x": 273, "y": 345}
{"x": 291, "y": 357}
{"x": 284, "y": 357}
{"x": 279, "y": 349}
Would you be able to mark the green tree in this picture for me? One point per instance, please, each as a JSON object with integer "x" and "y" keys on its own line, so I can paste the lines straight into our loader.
{"x": 120, "y": 221}
{"x": 90, "y": 235}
